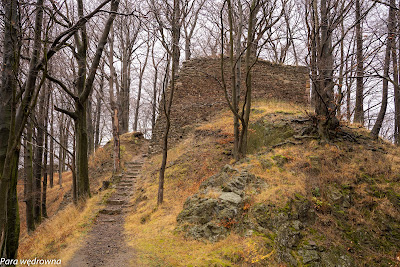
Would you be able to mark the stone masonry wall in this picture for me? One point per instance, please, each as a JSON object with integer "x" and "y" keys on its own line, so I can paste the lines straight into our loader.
{"x": 198, "y": 94}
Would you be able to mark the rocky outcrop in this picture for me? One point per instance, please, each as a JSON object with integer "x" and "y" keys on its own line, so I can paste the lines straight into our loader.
{"x": 218, "y": 207}
{"x": 222, "y": 206}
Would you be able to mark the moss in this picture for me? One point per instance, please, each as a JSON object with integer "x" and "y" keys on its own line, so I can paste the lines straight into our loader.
{"x": 299, "y": 197}
{"x": 266, "y": 134}
{"x": 316, "y": 192}
{"x": 393, "y": 197}
{"x": 374, "y": 190}
{"x": 280, "y": 160}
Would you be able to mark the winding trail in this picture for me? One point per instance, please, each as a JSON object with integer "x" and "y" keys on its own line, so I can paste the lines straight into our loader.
{"x": 105, "y": 244}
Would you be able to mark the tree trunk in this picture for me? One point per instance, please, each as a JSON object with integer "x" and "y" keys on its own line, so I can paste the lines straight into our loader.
{"x": 154, "y": 102}
{"x": 90, "y": 127}
{"x": 73, "y": 170}
{"x": 98, "y": 117}
{"x": 235, "y": 97}
{"x": 325, "y": 102}
{"x": 28, "y": 192}
{"x": 51, "y": 167}
{"x": 142, "y": 69}
{"x": 176, "y": 29}
{"x": 359, "y": 109}
{"x": 249, "y": 63}
{"x": 389, "y": 44}
{"x": 38, "y": 161}
{"x": 395, "y": 82}
{"x": 188, "y": 52}
{"x": 114, "y": 108}
{"x": 13, "y": 222}
{"x": 82, "y": 151}
{"x": 124, "y": 93}
{"x": 61, "y": 152}
{"x": 10, "y": 69}
{"x": 45, "y": 154}
{"x": 341, "y": 68}
{"x": 45, "y": 176}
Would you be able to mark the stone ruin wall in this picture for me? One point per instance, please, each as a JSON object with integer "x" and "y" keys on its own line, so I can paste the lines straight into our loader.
{"x": 198, "y": 95}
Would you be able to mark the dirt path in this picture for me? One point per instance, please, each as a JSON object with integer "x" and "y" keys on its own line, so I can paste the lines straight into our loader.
{"x": 105, "y": 244}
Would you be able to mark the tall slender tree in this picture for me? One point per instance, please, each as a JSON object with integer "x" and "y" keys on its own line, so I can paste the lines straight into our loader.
{"x": 359, "y": 108}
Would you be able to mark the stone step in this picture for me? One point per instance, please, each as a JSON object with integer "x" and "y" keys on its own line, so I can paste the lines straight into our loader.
{"x": 106, "y": 220}
{"x": 116, "y": 201}
{"x": 131, "y": 172}
{"x": 123, "y": 188}
{"x": 123, "y": 194}
{"x": 128, "y": 178}
{"x": 131, "y": 175}
{"x": 128, "y": 181}
{"x": 111, "y": 211}
{"x": 130, "y": 164}
{"x": 126, "y": 184}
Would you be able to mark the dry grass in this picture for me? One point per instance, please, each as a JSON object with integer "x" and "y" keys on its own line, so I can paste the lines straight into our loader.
{"x": 54, "y": 198}
{"x": 60, "y": 236}
{"x": 152, "y": 230}
{"x": 306, "y": 167}
{"x": 224, "y": 120}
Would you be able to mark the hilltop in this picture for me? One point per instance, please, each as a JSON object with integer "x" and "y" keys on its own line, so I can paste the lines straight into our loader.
{"x": 295, "y": 200}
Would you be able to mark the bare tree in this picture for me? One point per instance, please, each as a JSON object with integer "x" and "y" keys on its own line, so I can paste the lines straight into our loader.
{"x": 142, "y": 68}
{"x": 385, "y": 78}
{"x": 84, "y": 86}
{"x": 359, "y": 109}
{"x": 172, "y": 48}
{"x": 114, "y": 107}
{"x": 190, "y": 11}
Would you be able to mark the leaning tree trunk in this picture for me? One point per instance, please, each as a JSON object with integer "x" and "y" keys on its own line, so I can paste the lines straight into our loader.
{"x": 385, "y": 79}
{"x": 176, "y": 28}
{"x": 142, "y": 69}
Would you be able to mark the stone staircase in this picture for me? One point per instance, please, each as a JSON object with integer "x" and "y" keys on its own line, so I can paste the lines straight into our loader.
{"x": 105, "y": 245}
{"x": 119, "y": 200}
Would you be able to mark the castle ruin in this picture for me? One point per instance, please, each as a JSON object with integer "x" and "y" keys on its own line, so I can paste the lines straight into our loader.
{"x": 199, "y": 95}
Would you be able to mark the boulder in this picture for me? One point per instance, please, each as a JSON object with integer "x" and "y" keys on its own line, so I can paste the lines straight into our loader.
{"x": 231, "y": 197}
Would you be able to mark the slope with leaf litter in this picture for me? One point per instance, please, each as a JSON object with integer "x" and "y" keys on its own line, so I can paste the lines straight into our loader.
{"x": 295, "y": 200}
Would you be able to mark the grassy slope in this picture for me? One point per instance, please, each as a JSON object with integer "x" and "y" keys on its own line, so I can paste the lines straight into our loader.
{"x": 60, "y": 236}
{"x": 308, "y": 166}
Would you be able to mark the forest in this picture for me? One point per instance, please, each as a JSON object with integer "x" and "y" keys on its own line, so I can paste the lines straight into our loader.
{"x": 79, "y": 75}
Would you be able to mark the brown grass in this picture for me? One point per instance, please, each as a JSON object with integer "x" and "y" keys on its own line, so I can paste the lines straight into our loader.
{"x": 153, "y": 231}
{"x": 59, "y": 236}
{"x": 54, "y": 198}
